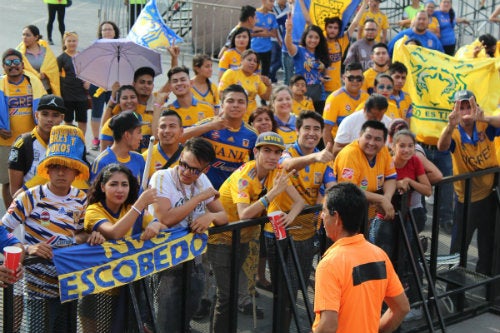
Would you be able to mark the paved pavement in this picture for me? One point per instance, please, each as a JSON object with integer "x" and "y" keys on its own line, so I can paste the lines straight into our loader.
{"x": 82, "y": 17}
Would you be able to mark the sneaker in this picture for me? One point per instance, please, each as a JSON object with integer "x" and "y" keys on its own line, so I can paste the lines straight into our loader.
{"x": 414, "y": 314}
{"x": 95, "y": 144}
{"x": 203, "y": 310}
{"x": 248, "y": 310}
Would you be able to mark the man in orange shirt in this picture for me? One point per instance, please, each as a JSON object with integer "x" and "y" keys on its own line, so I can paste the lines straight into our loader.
{"x": 354, "y": 277}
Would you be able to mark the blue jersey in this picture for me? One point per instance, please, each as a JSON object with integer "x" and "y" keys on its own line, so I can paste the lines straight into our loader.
{"x": 232, "y": 149}
{"x": 427, "y": 39}
{"x": 446, "y": 28}
{"x": 266, "y": 21}
{"x": 135, "y": 163}
{"x": 306, "y": 64}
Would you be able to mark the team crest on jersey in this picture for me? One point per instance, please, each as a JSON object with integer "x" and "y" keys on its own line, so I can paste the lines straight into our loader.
{"x": 380, "y": 182}
{"x": 242, "y": 195}
{"x": 201, "y": 115}
{"x": 14, "y": 155}
{"x": 481, "y": 136}
{"x": 364, "y": 184}
{"x": 242, "y": 184}
{"x": 348, "y": 108}
{"x": 317, "y": 178}
{"x": 215, "y": 135}
{"x": 347, "y": 173}
{"x": 245, "y": 143}
{"x": 76, "y": 215}
{"x": 45, "y": 217}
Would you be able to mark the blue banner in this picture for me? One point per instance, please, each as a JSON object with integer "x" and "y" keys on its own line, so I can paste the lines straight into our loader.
{"x": 85, "y": 269}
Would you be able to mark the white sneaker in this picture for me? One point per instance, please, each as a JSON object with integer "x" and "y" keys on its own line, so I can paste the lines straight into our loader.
{"x": 414, "y": 314}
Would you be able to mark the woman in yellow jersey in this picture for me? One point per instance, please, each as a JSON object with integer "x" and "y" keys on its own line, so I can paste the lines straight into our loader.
{"x": 115, "y": 211}
{"x": 203, "y": 89}
{"x": 246, "y": 77}
{"x": 433, "y": 27}
{"x": 301, "y": 102}
{"x": 384, "y": 85}
{"x": 126, "y": 97}
{"x": 281, "y": 105}
{"x": 231, "y": 58}
{"x": 262, "y": 119}
{"x": 39, "y": 59}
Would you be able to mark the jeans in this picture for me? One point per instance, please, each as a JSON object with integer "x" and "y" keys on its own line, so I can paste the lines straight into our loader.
{"x": 288, "y": 67}
{"x": 220, "y": 258}
{"x": 275, "y": 61}
{"x": 482, "y": 217}
{"x": 442, "y": 159}
{"x": 170, "y": 294}
{"x": 98, "y": 102}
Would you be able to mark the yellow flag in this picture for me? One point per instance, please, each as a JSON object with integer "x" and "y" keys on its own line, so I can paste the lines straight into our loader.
{"x": 434, "y": 77}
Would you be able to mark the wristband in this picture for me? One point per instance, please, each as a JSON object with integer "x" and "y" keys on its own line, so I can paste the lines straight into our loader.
{"x": 136, "y": 209}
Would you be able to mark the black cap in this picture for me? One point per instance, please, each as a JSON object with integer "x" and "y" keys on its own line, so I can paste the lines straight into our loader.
{"x": 125, "y": 121}
{"x": 51, "y": 102}
{"x": 463, "y": 95}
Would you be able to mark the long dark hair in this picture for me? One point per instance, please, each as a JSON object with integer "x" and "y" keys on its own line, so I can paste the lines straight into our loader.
{"x": 97, "y": 195}
{"x": 198, "y": 61}
{"x": 321, "y": 51}
{"x": 240, "y": 31}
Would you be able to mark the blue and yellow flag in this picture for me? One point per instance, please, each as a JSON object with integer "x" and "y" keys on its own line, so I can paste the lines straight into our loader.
{"x": 433, "y": 79}
{"x": 319, "y": 10}
{"x": 151, "y": 31}
{"x": 83, "y": 269}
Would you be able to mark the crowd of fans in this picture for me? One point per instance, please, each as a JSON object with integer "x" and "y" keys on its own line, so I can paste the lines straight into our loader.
{"x": 340, "y": 115}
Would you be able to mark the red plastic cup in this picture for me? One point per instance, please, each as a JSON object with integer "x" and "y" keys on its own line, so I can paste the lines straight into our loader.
{"x": 12, "y": 255}
{"x": 279, "y": 229}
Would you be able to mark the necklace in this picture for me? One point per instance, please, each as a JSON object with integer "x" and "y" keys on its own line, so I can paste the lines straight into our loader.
{"x": 180, "y": 187}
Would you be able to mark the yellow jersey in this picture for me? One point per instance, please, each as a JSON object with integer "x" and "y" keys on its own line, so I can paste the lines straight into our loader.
{"x": 340, "y": 104}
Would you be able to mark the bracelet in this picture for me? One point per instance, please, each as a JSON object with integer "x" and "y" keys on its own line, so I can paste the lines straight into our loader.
{"x": 136, "y": 209}
{"x": 264, "y": 202}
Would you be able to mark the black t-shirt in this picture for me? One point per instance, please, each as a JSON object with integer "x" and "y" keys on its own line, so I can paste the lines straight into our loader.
{"x": 71, "y": 86}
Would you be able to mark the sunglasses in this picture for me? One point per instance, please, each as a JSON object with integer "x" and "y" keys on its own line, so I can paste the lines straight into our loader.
{"x": 357, "y": 78}
{"x": 10, "y": 62}
{"x": 191, "y": 169}
{"x": 382, "y": 87}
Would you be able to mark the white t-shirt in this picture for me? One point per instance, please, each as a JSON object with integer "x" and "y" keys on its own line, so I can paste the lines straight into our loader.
{"x": 165, "y": 183}
{"x": 350, "y": 127}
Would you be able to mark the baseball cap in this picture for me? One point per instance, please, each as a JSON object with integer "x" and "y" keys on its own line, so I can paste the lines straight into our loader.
{"x": 125, "y": 121}
{"x": 430, "y": 1}
{"x": 270, "y": 138}
{"x": 51, "y": 102}
{"x": 463, "y": 95}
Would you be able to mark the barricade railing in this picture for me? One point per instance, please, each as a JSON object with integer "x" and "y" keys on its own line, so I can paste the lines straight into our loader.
{"x": 458, "y": 281}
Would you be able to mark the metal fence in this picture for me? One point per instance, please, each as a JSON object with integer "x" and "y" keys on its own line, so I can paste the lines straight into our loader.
{"x": 449, "y": 293}
{"x": 205, "y": 25}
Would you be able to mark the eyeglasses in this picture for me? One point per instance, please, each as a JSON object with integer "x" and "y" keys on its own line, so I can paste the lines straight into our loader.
{"x": 382, "y": 87}
{"x": 370, "y": 29}
{"x": 191, "y": 169}
{"x": 357, "y": 78}
{"x": 10, "y": 62}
